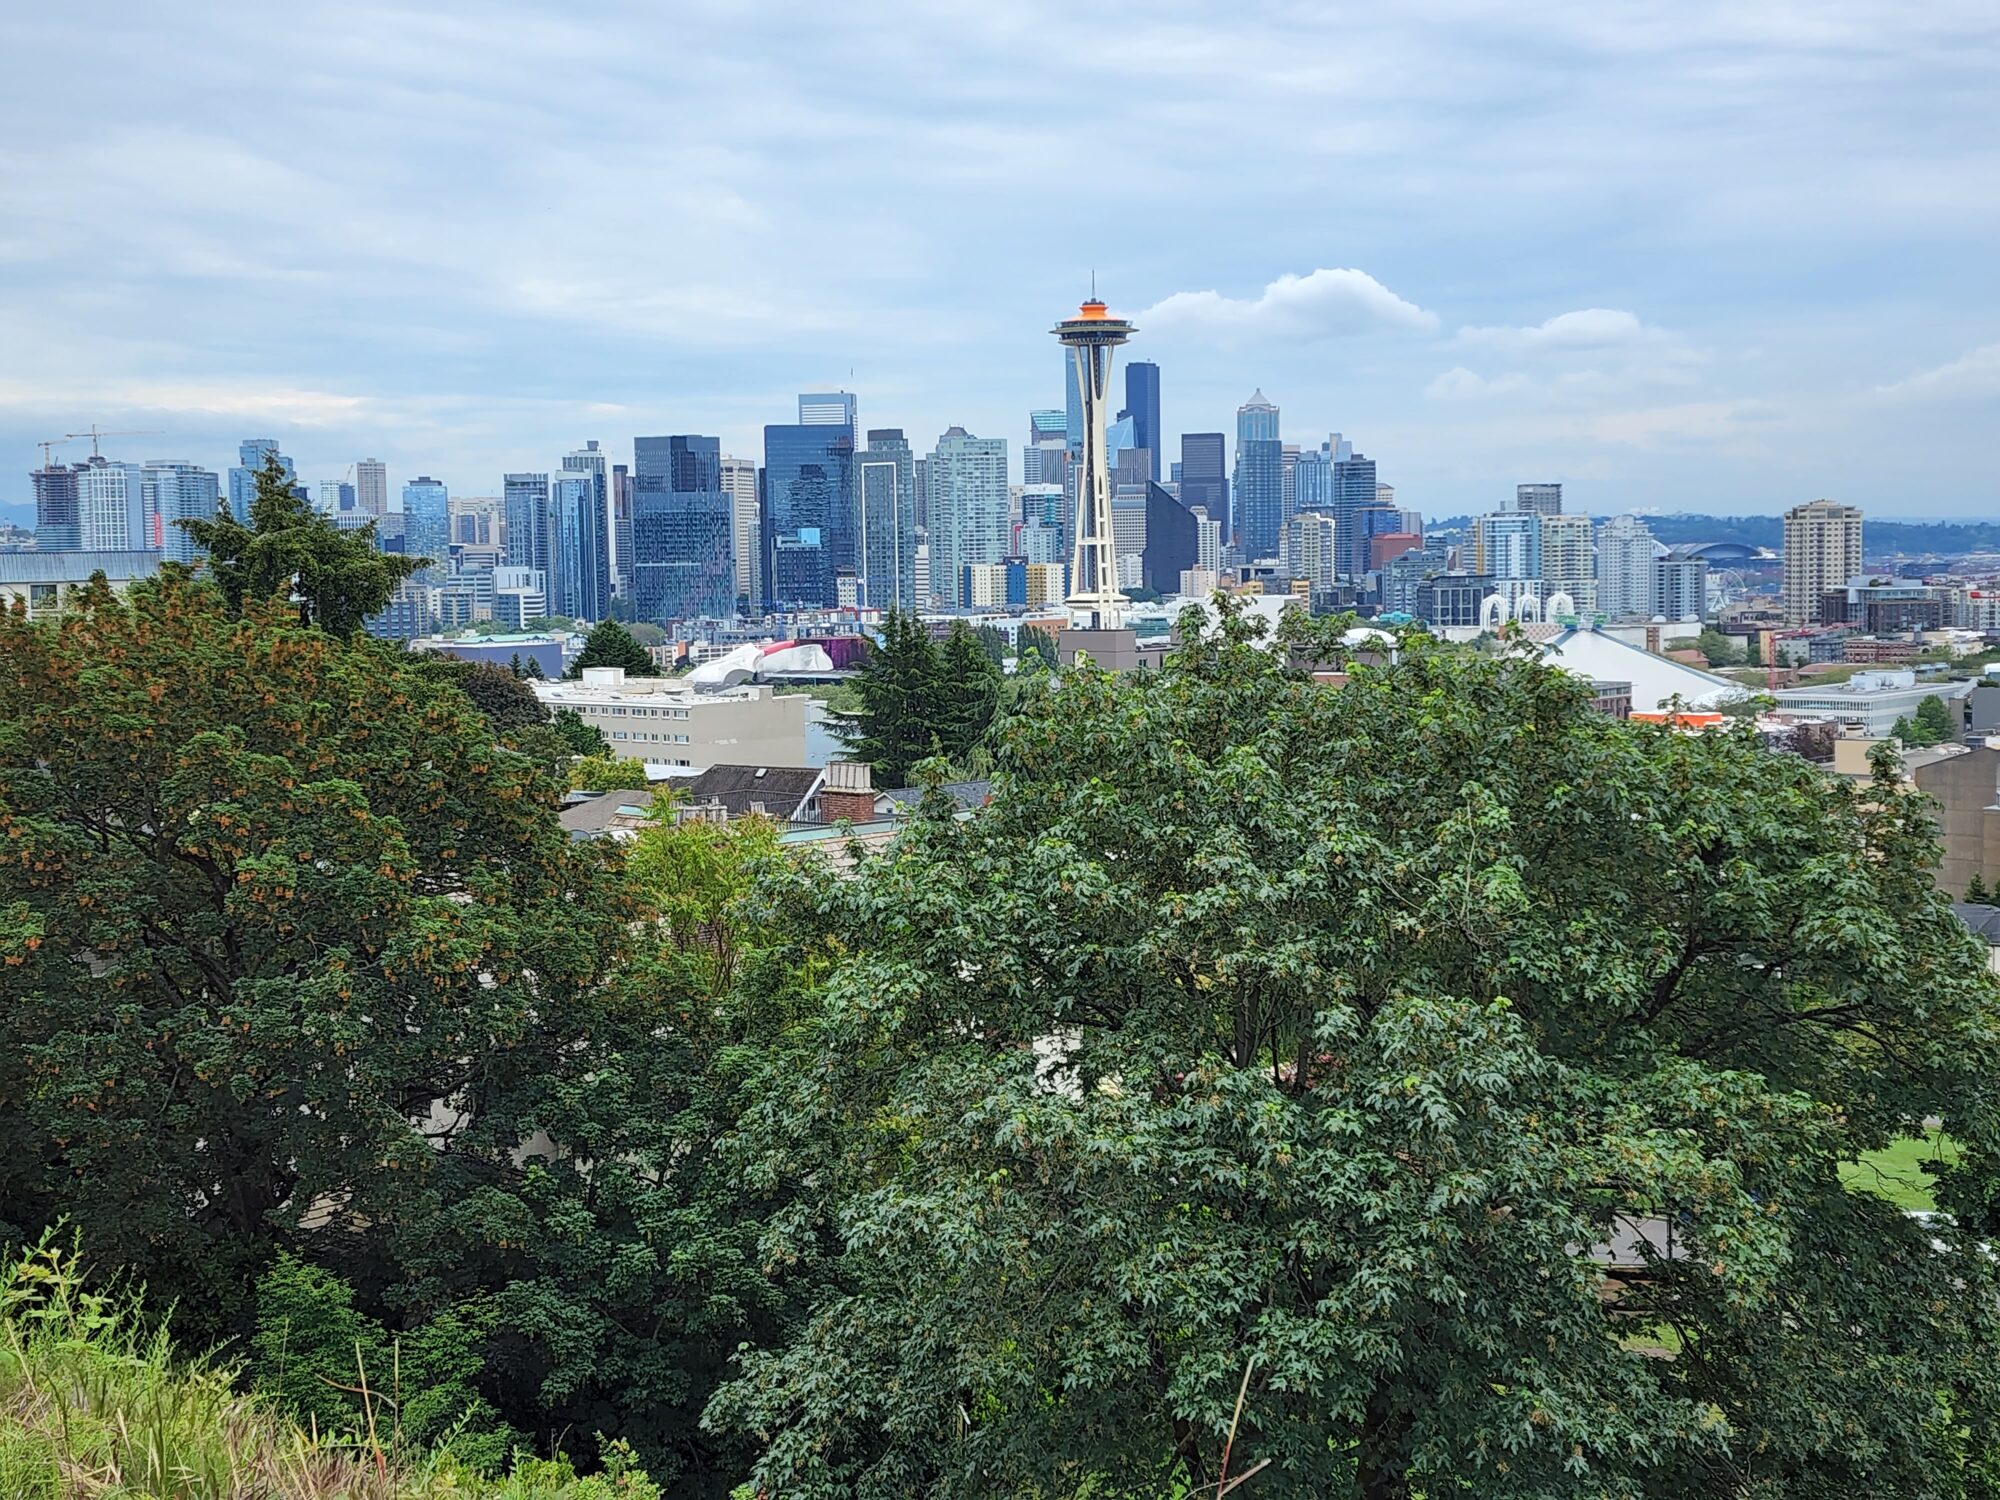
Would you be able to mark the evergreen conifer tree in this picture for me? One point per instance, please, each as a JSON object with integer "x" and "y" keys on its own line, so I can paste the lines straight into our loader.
{"x": 898, "y": 721}
{"x": 611, "y": 645}
{"x": 289, "y": 550}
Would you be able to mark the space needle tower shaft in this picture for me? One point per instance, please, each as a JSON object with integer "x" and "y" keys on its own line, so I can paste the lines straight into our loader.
{"x": 1094, "y": 597}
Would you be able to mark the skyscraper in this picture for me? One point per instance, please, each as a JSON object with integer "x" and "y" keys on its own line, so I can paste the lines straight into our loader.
{"x": 57, "y": 527}
{"x": 1205, "y": 476}
{"x": 886, "y": 518}
{"x": 1312, "y": 479}
{"x": 1680, "y": 587}
{"x": 1173, "y": 541}
{"x": 1354, "y": 491}
{"x": 683, "y": 563}
{"x": 371, "y": 486}
{"x": 971, "y": 511}
{"x": 579, "y": 551}
{"x": 1142, "y": 404}
{"x": 111, "y": 506}
{"x": 525, "y": 504}
{"x": 1569, "y": 564}
{"x": 1822, "y": 551}
{"x": 427, "y": 526}
{"x": 1309, "y": 548}
{"x": 1089, "y": 339}
{"x": 181, "y": 492}
{"x": 1045, "y": 455}
{"x": 807, "y": 511}
{"x": 739, "y": 482}
{"x": 1260, "y": 478}
{"x": 592, "y": 460}
{"x": 621, "y": 527}
{"x": 1538, "y": 499}
{"x": 1510, "y": 545}
{"x": 250, "y": 454}
{"x": 1626, "y": 551}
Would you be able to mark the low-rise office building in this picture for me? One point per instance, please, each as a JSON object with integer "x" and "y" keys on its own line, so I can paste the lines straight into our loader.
{"x": 666, "y": 719}
{"x": 1873, "y": 701}
{"x": 42, "y": 580}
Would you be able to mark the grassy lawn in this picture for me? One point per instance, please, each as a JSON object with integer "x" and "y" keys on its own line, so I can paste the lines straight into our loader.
{"x": 1893, "y": 1173}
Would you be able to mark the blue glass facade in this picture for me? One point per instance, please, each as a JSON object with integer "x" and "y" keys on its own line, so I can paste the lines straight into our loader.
{"x": 885, "y": 483}
{"x": 684, "y": 542}
{"x": 1260, "y": 478}
{"x": 579, "y": 555}
{"x": 525, "y": 507}
{"x": 1204, "y": 476}
{"x": 1142, "y": 404}
{"x": 427, "y": 526}
{"x": 1353, "y": 487}
{"x": 181, "y": 492}
{"x": 808, "y": 511}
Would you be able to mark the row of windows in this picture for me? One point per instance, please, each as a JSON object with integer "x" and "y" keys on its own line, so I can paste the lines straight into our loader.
{"x": 671, "y": 739}
{"x": 644, "y": 713}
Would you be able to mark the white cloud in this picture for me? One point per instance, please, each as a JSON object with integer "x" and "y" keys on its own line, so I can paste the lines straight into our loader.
{"x": 1973, "y": 374}
{"x": 1461, "y": 384}
{"x": 1587, "y": 328}
{"x": 1326, "y": 303}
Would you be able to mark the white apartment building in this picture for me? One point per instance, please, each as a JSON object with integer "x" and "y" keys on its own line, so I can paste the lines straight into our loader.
{"x": 664, "y": 719}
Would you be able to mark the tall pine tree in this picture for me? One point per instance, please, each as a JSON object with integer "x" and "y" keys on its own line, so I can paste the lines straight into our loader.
{"x": 898, "y": 722}
{"x": 289, "y": 550}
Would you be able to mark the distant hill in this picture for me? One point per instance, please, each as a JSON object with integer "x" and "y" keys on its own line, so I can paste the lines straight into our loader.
{"x": 1881, "y": 538}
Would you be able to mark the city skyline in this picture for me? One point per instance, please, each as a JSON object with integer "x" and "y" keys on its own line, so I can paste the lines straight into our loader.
{"x": 1726, "y": 262}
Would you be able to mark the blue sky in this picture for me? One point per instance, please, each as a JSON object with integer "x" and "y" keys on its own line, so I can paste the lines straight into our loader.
{"x": 1716, "y": 257}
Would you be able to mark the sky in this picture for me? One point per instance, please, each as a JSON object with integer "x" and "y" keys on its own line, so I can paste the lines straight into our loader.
{"x": 1705, "y": 257}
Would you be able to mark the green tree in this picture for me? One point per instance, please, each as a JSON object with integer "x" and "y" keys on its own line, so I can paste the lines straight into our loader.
{"x": 1975, "y": 891}
{"x": 1933, "y": 721}
{"x": 646, "y": 633}
{"x": 1717, "y": 648}
{"x": 610, "y": 644}
{"x": 1037, "y": 644}
{"x": 993, "y": 641}
{"x": 312, "y": 1347}
{"x": 534, "y": 672}
{"x": 628, "y": 1245}
{"x": 1903, "y": 732}
{"x": 897, "y": 723}
{"x": 1316, "y": 1034}
{"x": 289, "y": 548}
{"x": 508, "y": 703}
{"x": 271, "y": 898}
{"x": 578, "y": 736}
{"x": 968, "y": 693}
{"x": 607, "y": 773}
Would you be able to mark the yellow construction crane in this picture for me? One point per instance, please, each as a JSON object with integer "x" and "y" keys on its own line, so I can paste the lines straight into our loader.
{"x": 46, "y": 445}
{"x": 94, "y": 434}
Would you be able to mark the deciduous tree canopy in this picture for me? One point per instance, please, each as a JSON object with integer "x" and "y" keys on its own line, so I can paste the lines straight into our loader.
{"x": 270, "y": 899}
{"x": 1323, "y": 1033}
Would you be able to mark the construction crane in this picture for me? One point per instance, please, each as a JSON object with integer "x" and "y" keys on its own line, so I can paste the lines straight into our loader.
{"x": 94, "y": 434}
{"x": 46, "y": 445}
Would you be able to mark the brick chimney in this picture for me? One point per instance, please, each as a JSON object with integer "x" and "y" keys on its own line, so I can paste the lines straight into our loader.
{"x": 848, "y": 792}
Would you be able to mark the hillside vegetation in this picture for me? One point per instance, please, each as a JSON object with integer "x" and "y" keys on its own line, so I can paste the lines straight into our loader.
{"x": 94, "y": 1402}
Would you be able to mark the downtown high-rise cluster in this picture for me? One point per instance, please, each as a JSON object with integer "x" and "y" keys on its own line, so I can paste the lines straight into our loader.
{"x": 833, "y": 520}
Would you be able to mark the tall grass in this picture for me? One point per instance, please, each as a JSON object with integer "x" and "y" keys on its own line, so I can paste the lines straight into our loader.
{"x": 93, "y": 1406}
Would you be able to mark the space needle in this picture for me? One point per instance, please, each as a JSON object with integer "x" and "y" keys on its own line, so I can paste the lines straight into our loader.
{"x": 1094, "y": 599}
